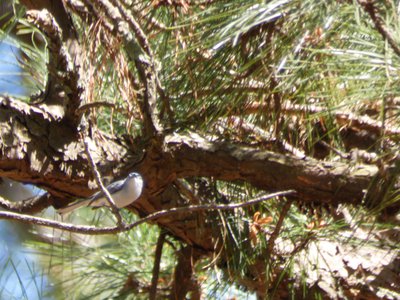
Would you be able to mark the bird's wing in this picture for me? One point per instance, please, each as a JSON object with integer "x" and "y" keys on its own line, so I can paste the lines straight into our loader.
{"x": 73, "y": 206}
{"x": 111, "y": 188}
{"x": 91, "y": 201}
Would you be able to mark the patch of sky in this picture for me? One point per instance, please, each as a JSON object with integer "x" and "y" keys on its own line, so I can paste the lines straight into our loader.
{"x": 21, "y": 276}
{"x": 10, "y": 72}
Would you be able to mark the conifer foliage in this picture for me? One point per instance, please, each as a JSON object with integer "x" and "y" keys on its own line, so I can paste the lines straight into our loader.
{"x": 267, "y": 134}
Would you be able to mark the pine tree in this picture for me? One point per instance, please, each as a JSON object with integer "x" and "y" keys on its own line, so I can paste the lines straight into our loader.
{"x": 266, "y": 132}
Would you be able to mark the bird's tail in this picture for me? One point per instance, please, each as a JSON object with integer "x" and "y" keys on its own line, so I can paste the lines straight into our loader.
{"x": 73, "y": 206}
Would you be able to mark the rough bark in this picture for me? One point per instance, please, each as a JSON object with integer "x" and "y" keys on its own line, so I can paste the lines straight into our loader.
{"x": 184, "y": 276}
{"x": 37, "y": 150}
{"x": 42, "y": 144}
{"x": 56, "y": 8}
{"x": 48, "y": 153}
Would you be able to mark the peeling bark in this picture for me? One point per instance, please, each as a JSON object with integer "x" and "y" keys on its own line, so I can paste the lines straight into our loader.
{"x": 42, "y": 144}
{"x": 37, "y": 149}
{"x": 323, "y": 182}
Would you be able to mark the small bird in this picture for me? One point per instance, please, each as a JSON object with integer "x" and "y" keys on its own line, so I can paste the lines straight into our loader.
{"x": 123, "y": 192}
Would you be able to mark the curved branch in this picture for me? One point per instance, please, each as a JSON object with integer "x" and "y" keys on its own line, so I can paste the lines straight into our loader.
{"x": 139, "y": 51}
{"x": 56, "y": 8}
{"x": 93, "y": 230}
{"x": 343, "y": 118}
{"x": 371, "y": 9}
{"x": 62, "y": 82}
{"x": 28, "y": 206}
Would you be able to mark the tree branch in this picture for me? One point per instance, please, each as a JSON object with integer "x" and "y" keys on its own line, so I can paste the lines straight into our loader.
{"x": 185, "y": 155}
{"x": 82, "y": 109}
{"x": 28, "y": 206}
{"x": 56, "y": 8}
{"x": 275, "y": 233}
{"x": 370, "y": 8}
{"x": 342, "y": 117}
{"x": 139, "y": 51}
{"x": 93, "y": 230}
{"x": 99, "y": 182}
{"x": 19, "y": 107}
{"x": 36, "y": 149}
{"x": 316, "y": 181}
{"x": 156, "y": 265}
{"x": 62, "y": 82}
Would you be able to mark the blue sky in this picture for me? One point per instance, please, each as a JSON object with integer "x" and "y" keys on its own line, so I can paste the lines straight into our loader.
{"x": 21, "y": 276}
{"x": 10, "y": 73}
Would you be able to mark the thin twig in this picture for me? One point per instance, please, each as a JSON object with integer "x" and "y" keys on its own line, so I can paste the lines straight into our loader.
{"x": 88, "y": 106}
{"x": 275, "y": 233}
{"x": 370, "y": 8}
{"x": 93, "y": 230}
{"x": 99, "y": 182}
{"x": 251, "y": 128}
{"x": 156, "y": 266}
{"x": 341, "y": 116}
{"x": 342, "y": 154}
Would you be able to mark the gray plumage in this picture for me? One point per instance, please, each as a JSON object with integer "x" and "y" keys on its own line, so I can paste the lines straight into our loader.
{"x": 123, "y": 192}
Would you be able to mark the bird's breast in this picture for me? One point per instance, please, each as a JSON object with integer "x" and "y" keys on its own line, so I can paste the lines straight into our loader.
{"x": 135, "y": 188}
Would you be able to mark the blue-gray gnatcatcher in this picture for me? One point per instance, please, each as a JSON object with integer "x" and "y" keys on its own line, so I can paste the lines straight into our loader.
{"x": 123, "y": 192}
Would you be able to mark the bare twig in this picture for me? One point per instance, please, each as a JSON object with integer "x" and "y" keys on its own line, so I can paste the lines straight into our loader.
{"x": 341, "y": 116}
{"x": 93, "y": 230}
{"x": 88, "y": 106}
{"x": 275, "y": 233}
{"x": 268, "y": 136}
{"x": 31, "y": 205}
{"x": 99, "y": 182}
{"x": 156, "y": 265}
{"x": 337, "y": 151}
{"x": 371, "y": 9}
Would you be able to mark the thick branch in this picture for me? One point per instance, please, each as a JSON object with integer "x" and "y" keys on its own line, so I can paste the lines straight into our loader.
{"x": 327, "y": 182}
{"x": 62, "y": 90}
{"x": 36, "y": 149}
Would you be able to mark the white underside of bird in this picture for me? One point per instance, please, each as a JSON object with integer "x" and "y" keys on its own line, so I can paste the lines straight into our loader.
{"x": 131, "y": 191}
